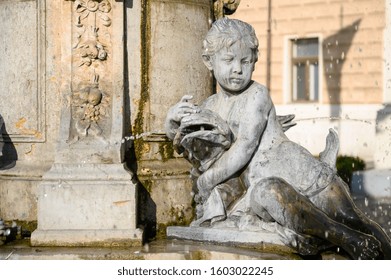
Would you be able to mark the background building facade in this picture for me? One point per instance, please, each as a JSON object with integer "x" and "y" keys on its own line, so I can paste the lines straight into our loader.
{"x": 325, "y": 62}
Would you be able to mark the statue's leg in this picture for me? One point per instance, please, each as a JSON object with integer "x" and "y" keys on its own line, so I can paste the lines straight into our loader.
{"x": 336, "y": 202}
{"x": 275, "y": 197}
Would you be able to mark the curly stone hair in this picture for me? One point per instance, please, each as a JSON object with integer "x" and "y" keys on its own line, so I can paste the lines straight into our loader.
{"x": 225, "y": 32}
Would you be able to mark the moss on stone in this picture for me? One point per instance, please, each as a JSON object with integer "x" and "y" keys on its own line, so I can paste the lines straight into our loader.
{"x": 147, "y": 183}
{"x": 138, "y": 127}
{"x": 26, "y": 225}
{"x": 178, "y": 218}
{"x": 166, "y": 150}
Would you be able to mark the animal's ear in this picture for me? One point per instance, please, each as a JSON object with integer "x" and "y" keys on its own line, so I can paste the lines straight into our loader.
{"x": 208, "y": 62}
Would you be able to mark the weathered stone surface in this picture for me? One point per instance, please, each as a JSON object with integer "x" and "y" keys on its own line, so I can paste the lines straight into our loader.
{"x": 86, "y": 204}
{"x": 91, "y": 238}
{"x": 168, "y": 70}
{"x": 20, "y": 202}
{"x": 1, "y": 135}
{"x": 169, "y": 23}
{"x": 23, "y": 69}
{"x": 31, "y": 67}
{"x": 156, "y": 250}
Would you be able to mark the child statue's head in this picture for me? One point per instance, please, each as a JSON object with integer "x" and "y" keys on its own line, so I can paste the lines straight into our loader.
{"x": 230, "y": 51}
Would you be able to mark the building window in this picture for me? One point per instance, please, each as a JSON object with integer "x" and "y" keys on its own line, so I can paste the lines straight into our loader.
{"x": 305, "y": 70}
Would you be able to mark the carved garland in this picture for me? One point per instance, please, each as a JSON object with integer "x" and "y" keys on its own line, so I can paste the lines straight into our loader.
{"x": 89, "y": 47}
{"x": 90, "y": 104}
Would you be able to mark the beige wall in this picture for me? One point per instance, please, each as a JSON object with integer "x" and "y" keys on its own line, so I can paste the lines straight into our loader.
{"x": 357, "y": 25}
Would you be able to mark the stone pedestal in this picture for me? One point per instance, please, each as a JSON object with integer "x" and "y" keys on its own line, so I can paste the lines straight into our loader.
{"x": 87, "y": 205}
{"x": 226, "y": 236}
{"x": 88, "y": 197}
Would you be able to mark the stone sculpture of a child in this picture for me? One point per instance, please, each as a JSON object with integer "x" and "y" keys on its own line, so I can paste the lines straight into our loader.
{"x": 257, "y": 173}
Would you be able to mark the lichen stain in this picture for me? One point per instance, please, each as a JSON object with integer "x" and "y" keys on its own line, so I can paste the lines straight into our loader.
{"x": 20, "y": 125}
{"x": 30, "y": 152}
{"x": 121, "y": 202}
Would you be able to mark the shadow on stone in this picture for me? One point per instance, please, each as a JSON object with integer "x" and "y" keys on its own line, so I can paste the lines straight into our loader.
{"x": 8, "y": 154}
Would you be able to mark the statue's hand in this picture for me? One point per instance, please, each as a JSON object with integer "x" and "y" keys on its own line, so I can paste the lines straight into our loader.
{"x": 174, "y": 116}
{"x": 182, "y": 109}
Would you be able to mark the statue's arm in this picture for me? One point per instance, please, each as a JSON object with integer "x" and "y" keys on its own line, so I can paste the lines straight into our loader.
{"x": 252, "y": 122}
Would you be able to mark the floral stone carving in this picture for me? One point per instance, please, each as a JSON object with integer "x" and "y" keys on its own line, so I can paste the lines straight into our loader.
{"x": 89, "y": 12}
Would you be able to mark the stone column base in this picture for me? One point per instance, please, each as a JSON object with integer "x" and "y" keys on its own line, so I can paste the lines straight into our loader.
{"x": 87, "y": 205}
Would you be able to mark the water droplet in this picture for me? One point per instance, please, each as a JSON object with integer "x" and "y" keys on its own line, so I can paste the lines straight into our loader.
{"x": 366, "y": 201}
{"x": 326, "y": 234}
{"x": 343, "y": 55}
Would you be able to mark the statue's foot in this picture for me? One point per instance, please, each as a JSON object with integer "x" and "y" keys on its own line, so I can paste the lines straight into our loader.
{"x": 364, "y": 247}
{"x": 386, "y": 249}
{"x": 304, "y": 244}
{"x": 197, "y": 223}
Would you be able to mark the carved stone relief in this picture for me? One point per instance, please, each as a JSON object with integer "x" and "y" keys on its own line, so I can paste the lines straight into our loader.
{"x": 88, "y": 46}
{"x": 91, "y": 75}
{"x": 89, "y": 106}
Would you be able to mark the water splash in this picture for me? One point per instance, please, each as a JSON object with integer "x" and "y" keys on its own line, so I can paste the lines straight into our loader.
{"x": 346, "y": 118}
{"x": 141, "y": 135}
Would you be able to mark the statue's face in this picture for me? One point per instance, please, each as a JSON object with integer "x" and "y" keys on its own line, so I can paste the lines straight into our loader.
{"x": 233, "y": 67}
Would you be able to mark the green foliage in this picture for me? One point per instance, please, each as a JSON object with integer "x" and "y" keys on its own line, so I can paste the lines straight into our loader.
{"x": 346, "y": 165}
